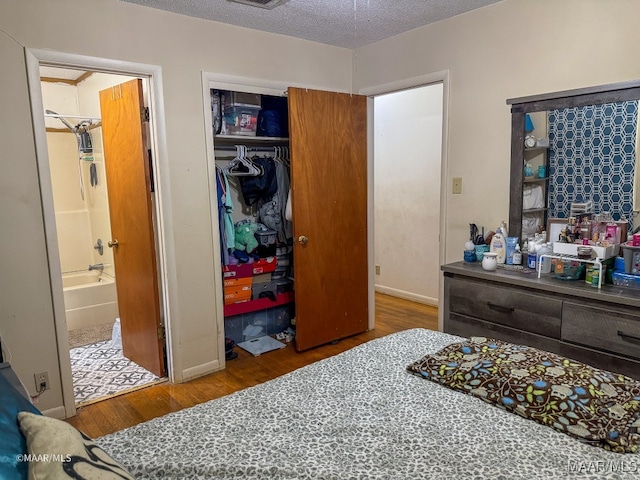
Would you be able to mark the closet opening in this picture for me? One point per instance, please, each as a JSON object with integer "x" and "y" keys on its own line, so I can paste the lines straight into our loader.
{"x": 320, "y": 138}
{"x": 253, "y": 172}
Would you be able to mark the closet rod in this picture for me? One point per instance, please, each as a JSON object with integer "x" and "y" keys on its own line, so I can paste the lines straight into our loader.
{"x": 225, "y": 148}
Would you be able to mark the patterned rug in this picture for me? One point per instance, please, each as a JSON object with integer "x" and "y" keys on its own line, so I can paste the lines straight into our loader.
{"x": 100, "y": 371}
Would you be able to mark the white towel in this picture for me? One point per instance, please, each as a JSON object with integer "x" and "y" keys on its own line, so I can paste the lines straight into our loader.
{"x": 532, "y": 197}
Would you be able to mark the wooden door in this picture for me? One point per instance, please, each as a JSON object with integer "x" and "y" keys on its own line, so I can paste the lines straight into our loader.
{"x": 328, "y": 133}
{"x": 130, "y": 208}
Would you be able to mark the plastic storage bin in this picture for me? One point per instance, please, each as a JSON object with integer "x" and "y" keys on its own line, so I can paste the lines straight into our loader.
{"x": 266, "y": 237}
{"x": 248, "y": 326}
{"x": 631, "y": 256}
{"x": 241, "y": 120}
{"x": 626, "y": 280}
{"x": 242, "y": 99}
{"x": 569, "y": 269}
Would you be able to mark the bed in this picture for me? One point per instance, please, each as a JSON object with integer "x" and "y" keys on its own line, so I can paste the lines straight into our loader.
{"x": 359, "y": 414}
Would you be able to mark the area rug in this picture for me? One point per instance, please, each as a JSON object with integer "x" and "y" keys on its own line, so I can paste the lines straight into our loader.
{"x": 99, "y": 371}
{"x": 87, "y": 335}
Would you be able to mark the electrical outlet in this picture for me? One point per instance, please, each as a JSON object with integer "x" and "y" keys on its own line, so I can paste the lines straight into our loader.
{"x": 377, "y": 269}
{"x": 456, "y": 188}
{"x": 42, "y": 378}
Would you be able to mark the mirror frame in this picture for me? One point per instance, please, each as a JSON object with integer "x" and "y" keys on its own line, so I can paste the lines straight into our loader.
{"x": 611, "y": 93}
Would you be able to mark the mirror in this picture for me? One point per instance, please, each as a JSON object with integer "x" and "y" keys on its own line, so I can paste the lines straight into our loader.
{"x": 590, "y": 156}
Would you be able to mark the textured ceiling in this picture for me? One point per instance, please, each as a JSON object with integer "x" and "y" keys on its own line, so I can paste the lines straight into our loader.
{"x": 343, "y": 23}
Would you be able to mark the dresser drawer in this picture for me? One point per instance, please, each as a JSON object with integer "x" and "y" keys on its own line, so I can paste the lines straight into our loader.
{"x": 504, "y": 305}
{"x": 613, "y": 330}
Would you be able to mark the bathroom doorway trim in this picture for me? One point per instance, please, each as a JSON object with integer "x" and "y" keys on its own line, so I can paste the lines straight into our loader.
{"x": 165, "y": 245}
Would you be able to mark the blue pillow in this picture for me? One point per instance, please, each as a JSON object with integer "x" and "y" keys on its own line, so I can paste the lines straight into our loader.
{"x": 12, "y": 442}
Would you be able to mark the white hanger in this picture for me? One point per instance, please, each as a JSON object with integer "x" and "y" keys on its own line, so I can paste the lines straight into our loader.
{"x": 241, "y": 166}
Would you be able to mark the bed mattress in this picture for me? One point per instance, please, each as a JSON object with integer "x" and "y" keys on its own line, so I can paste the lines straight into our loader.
{"x": 359, "y": 414}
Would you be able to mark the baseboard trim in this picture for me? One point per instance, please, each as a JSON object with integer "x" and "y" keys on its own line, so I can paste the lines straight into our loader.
{"x": 414, "y": 297}
{"x": 200, "y": 370}
{"x": 56, "y": 412}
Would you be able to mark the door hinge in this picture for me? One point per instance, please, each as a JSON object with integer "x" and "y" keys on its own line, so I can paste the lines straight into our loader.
{"x": 161, "y": 332}
{"x": 144, "y": 114}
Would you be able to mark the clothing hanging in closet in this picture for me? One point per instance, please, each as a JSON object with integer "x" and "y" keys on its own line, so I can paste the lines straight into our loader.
{"x": 225, "y": 220}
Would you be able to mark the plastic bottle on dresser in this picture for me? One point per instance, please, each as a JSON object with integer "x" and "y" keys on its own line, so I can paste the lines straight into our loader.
{"x": 533, "y": 247}
{"x": 498, "y": 245}
{"x": 517, "y": 255}
{"x": 544, "y": 249}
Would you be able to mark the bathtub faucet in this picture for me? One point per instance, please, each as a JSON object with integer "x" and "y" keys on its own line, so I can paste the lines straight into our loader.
{"x": 97, "y": 266}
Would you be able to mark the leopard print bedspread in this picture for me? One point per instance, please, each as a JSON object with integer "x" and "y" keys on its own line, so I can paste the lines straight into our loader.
{"x": 358, "y": 415}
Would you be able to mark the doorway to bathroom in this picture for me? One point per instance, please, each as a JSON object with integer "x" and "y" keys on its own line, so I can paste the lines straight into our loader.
{"x": 102, "y": 196}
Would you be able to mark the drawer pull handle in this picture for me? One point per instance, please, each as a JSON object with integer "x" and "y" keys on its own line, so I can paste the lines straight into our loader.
{"x": 501, "y": 308}
{"x": 626, "y": 335}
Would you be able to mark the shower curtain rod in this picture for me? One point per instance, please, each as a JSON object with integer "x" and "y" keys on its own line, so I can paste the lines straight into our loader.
{"x": 78, "y": 117}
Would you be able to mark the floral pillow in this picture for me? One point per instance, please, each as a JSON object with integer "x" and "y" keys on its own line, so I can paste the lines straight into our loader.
{"x": 595, "y": 406}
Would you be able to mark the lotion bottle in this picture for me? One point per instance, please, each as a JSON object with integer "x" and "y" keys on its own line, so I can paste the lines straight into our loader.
{"x": 498, "y": 246}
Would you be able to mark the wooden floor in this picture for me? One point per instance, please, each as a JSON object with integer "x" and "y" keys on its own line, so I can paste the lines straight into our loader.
{"x": 392, "y": 315}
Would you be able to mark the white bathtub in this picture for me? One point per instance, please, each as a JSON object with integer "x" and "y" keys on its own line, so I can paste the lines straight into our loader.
{"x": 90, "y": 299}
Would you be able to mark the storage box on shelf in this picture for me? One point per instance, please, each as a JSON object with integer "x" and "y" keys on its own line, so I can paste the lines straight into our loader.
{"x": 237, "y": 290}
{"x": 631, "y": 254}
{"x": 264, "y": 265}
{"x": 571, "y": 249}
{"x": 241, "y": 99}
{"x": 241, "y": 120}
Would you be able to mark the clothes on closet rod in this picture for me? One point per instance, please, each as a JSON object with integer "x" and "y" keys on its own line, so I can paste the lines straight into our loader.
{"x": 265, "y": 194}
{"x": 225, "y": 219}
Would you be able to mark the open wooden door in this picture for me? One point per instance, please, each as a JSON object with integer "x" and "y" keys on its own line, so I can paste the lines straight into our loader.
{"x": 130, "y": 208}
{"x": 328, "y": 135}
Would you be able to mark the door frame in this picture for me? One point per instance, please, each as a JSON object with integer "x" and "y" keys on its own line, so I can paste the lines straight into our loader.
{"x": 165, "y": 248}
{"x": 407, "y": 84}
{"x": 260, "y": 85}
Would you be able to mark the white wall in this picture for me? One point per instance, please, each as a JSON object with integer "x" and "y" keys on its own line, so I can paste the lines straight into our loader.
{"x": 509, "y": 49}
{"x": 183, "y": 47}
{"x": 407, "y": 161}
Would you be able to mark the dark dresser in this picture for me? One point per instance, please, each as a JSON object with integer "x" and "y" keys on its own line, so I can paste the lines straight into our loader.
{"x": 600, "y": 327}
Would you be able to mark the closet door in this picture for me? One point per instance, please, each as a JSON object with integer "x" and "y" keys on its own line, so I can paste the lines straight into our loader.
{"x": 328, "y": 135}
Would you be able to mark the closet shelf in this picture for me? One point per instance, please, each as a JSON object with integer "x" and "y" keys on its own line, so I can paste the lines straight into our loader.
{"x": 247, "y": 139}
{"x": 258, "y": 304}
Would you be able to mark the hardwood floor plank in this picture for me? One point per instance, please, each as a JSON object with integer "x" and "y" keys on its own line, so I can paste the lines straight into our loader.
{"x": 101, "y": 418}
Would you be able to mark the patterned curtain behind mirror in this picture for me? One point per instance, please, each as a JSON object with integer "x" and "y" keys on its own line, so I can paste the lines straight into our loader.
{"x": 592, "y": 156}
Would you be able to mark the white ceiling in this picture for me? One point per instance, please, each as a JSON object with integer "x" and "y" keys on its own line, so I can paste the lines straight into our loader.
{"x": 343, "y": 23}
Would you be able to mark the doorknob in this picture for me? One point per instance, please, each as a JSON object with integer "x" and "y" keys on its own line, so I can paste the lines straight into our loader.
{"x": 303, "y": 240}
{"x": 112, "y": 243}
